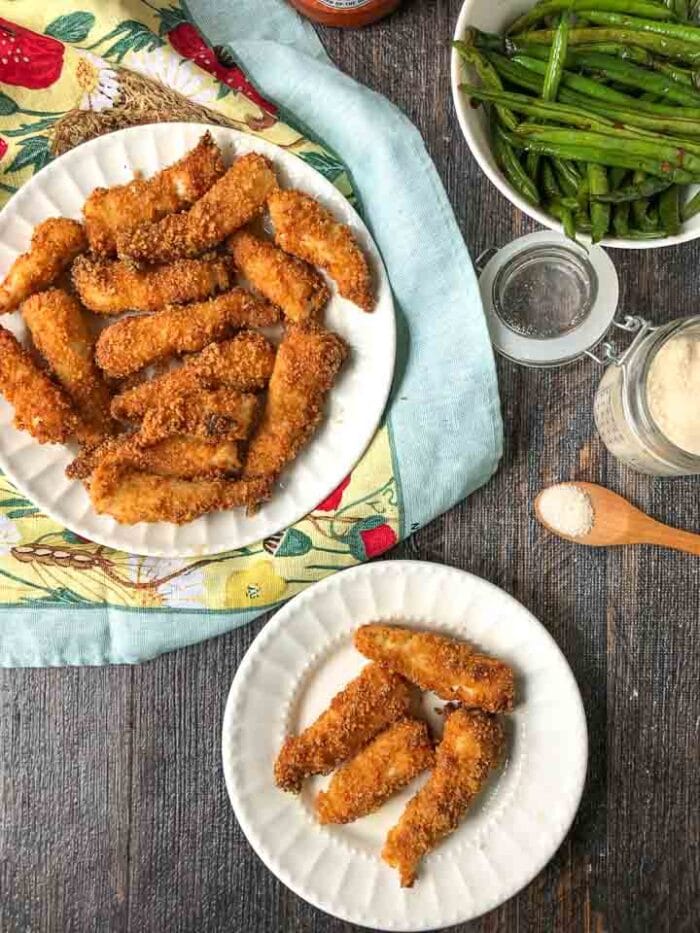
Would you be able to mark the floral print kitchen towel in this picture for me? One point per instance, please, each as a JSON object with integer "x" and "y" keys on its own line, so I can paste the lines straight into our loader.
{"x": 69, "y": 72}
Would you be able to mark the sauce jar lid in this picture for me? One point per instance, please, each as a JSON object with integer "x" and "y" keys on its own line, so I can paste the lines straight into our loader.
{"x": 547, "y": 299}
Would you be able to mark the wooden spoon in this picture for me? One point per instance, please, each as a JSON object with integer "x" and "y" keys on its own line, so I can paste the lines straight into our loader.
{"x": 616, "y": 521}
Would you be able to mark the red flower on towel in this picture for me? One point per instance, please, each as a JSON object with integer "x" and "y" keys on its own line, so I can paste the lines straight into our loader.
{"x": 331, "y": 502}
{"x": 28, "y": 59}
{"x": 377, "y": 540}
{"x": 187, "y": 41}
{"x": 3, "y": 148}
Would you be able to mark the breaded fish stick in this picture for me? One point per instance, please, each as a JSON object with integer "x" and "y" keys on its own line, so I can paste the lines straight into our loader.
{"x": 231, "y": 202}
{"x": 55, "y": 244}
{"x": 308, "y": 361}
{"x": 41, "y": 407}
{"x": 110, "y": 287}
{"x": 133, "y": 497}
{"x": 110, "y": 210}
{"x": 245, "y": 363}
{"x": 448, "y": 667}
{"x": 385, "y": 766}
{"x": 306, "y": 229}
{"x": 471, "y": 746}
{"x": 179, "y": 457}
{"x": 290, "y": 283}
{"x": 221, "y": 413}
{"x": 61, "y": 334}
{"x": 135, "y": 342}
{"x": 369, "y": 703}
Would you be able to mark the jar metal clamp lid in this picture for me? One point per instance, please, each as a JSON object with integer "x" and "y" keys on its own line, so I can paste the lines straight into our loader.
{"x": 549, "y": 301}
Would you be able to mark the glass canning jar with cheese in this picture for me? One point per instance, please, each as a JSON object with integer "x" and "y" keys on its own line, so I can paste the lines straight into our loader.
{"x": 647, "y": 406}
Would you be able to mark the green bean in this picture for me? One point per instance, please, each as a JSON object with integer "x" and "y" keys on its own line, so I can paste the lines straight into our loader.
{"x": 681, "y": 9}
{"x": 512, "y": 168}
{"x": 488, "y": 74}
{"x": 600, "y": 213}
{"x": 654, "y": 234}
{"x": 620, "y": 219}
{"x": 557, "y": 57}
{"x": 635, "y": 77}
{"x": 616, "y": 177}
{"x": 677, "y": 74}
{"x": 620, "y": 157}
{"x": 568, "y": 176}
{"x": 666, "y": 153}
{"x": 680, "y": 31}
{"x": 616, "y": 49}
{"x": 691, "y": 207}
{"x": 644, "y": 189}
{"x": 545, "y": 8}
{"x": 684, "y": 51}
{"x": 642, "y": 211}
{"x": 563, "y": 213}
{"x": 550, "y": 186}
{"x": 669, "y": 210}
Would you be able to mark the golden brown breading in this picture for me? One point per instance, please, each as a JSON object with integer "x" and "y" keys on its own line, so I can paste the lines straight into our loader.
{"x": 135, "y": 342}
{"x": 41, "y": 407}
{"x": 109, "y": 287}
{"x": 131, "y": 497}
{"x": 368, "y": 704}
{"x": 306, "y": 229}
{"x": 450, "y": 668}
{"x": 231, "y": 202}
{"x": 290, "y": 283}
{"x": 179, "y": 457}
{"x": 55, "y": 244}
{"x": 110, "y": 210}
{"x": 308, "y": 361}
{"x": 244, "y": 363}
{"x": 386, "y": 765}
{"x": 62, "y": 336}
{"x": 223, "y": 414}
{"x": 471, "y": 746}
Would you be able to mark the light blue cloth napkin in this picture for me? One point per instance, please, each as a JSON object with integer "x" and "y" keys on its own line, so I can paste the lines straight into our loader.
{"x": 445, "y": 411}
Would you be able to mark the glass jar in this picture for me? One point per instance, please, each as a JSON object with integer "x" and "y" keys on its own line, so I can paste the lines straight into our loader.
{"x": 548, "y": 302}
{"x": 621, "y": 407}
{"x": 346, "y": 13}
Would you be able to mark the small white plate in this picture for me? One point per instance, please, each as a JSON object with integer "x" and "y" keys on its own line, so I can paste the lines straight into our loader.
{"x": 354, "y": 407}
{"x": 304, "y": 656}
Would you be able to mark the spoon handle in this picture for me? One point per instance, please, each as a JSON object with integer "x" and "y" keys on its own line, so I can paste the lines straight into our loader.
{"x": 666, "y": 536}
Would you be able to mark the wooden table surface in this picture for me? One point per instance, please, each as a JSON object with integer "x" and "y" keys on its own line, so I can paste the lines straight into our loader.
{"x": 113, "y": 811}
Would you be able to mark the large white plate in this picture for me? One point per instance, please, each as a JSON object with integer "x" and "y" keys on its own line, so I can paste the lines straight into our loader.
{"x": 304, "y": 656}
{"x": 355, "y": 405}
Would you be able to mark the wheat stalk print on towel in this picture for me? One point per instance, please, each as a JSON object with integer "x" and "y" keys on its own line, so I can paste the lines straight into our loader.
{"x": 68, "y": 75}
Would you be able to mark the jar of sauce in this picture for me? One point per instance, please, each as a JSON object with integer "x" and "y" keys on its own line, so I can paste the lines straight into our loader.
{"x": 346, "y": 13}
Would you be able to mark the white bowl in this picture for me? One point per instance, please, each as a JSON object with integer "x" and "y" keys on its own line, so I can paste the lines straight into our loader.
{"x": 494, "y": 16}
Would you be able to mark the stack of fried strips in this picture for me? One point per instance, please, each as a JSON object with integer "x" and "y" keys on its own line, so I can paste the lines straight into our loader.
{"x": 183, "y": 407}
{"x": 368, "y": 731}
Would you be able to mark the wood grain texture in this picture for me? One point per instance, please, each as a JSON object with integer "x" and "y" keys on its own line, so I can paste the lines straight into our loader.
{"x": 113, "y": 811}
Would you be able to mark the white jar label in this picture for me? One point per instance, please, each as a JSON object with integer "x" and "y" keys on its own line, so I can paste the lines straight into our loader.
{"x": 345, "y": 4}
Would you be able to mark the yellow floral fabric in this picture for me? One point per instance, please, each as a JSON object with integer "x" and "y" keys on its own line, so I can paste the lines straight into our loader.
{"x": 65, "y": 66}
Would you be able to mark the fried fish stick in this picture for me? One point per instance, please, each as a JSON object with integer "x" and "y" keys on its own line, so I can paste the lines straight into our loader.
{"x": 61, "y": 334}
{"x": 55, "y": 244}
{"x": 135, "y": 342}
{"x": 385, "y": 766}
{"x": 131, "y": 497}
{"x": 244, "y": 363}
{"x": 41, "y": 407}
{"x": 448, "y": 667}
{"x": 308, "y": 361}
{"x": 207, "y": 413}
{"x": 178, "y": 457}
{"x": 110, "y": 210}
{"x": 231, "y": 202}
{"x": 471, "y": 746}
{"x": 306, "y": 229}
{"x": 290, "y": 283}
{"x": 369, "y": 703}
{"x": 109, "y": 287}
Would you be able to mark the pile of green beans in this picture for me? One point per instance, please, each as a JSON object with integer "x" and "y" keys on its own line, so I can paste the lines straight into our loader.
{"x": 595, "y": 112}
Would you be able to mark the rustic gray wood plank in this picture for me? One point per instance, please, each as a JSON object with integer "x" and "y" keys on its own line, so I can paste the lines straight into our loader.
{"x": 113, "y": 812}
